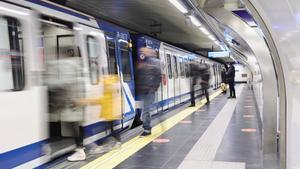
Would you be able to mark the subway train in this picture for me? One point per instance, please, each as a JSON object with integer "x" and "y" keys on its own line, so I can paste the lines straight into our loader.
{"x": 36, "y": 33}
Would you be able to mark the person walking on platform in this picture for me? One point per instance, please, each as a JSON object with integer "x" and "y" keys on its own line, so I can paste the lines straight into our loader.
{"x": 195, "y": 73}
{"x": 230, "y": 74}
{"x": 199, "y": 72}
{"x": 64, "y": 78}
{"x": 110, "y": 111}
{"x": 148, "y": 78}
{"x": 205, "y": 76}
{"x": 224, "y": 82}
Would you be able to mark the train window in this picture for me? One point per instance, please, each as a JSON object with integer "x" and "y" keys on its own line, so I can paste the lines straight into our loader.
{"x": 112, "y": 62}
{"x": 175, "y": 67}
{"x": 92, "y": 46}
{"x": 169, "y": 66}
{"x": 182, "y": 67}
{"x": 12, "y": 74}
{"x": 126, "y": 66}
{"x": 187, "y": 69}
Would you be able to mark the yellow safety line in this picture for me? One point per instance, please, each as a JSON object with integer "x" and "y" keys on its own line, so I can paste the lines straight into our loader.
{"x": 115, "y": 157}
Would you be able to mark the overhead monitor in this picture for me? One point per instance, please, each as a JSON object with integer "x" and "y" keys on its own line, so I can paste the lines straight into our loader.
{"x": 221, "y": 54}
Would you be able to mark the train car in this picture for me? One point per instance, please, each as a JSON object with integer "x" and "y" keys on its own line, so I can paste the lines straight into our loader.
{"x": 38, "y": 38}
{"x": 175, "y": 87}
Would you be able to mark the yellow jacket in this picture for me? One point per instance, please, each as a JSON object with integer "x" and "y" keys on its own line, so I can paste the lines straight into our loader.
{"x": 110, "y": 101}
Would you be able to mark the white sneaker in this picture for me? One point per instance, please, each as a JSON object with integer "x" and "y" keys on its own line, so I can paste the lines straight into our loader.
{"x": 98, "y": 150}
{"x": 79, "y": 155}
{"x": 105, "y": 148}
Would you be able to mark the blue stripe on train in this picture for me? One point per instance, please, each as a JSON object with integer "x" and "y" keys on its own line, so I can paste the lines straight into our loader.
{"x": 57, "y": 8}
{"x": 21, "y": 155}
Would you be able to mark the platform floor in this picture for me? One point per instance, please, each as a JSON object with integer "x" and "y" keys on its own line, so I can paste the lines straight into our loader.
{"x": 222, "y": 135}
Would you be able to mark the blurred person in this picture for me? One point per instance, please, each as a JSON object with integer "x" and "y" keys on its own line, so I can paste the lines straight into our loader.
{"x": 148, "y": 78}
{"x": 64, "y": 78}
{"x": 111, "y": 111}
{"x": 224, "y": 82}
{"x": 230, "y": 75}
{"x": 195, "y": 74}
{"x": 205, "y": 76}
{"x": 249, "y": 81}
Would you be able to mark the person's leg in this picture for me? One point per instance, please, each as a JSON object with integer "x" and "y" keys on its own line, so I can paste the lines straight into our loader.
{"x": 79, "y": 154}
{"x": 78, "y": 133}
{"x": 193, "y": 83}
{"x": 206, "y": 95}
{"x": 146, "y": 116}
{"x": 115, "y": 134}
{"x": 233, "y": 91}
{"x": 230, "y": 89}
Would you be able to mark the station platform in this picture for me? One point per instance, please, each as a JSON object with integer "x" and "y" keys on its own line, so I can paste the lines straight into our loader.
{"x": 224, "y": 134}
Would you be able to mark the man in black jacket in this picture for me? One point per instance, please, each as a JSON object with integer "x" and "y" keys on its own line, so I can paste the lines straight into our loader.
{"x": 147, "y": 79}
{"x": 230, "y": 74}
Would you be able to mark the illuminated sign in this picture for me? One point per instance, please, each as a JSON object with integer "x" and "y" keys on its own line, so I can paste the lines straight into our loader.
{"x": 218, "y": 54}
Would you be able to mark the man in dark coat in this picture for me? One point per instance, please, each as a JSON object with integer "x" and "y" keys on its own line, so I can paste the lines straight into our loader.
{"x": 230, "y": 74}
{"x": 199, "y": 73}
{"x": 205, "y": 76}
{"x": 148, "y": 78}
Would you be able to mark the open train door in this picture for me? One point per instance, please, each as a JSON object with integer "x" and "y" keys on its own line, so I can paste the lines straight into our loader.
{"x": 92, "y": 47}
{"x": 23, "y": 110}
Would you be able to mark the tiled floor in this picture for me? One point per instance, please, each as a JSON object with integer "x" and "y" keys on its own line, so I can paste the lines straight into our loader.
{"x": 238, "y": 150}
{"x": 238, "y": 146}
{"x": 230, "y": 148}
{"x": 182, "y": 139}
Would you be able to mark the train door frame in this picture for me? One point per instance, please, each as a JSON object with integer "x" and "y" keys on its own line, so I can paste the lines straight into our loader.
{"x": 92, "y": 86}
{"x": 127, "y": 86}
{"x": 160, "y": 90}
{"x": 165, "y": 80}
{"x": 170, "y": 100}
{"x": 110, "y": 37}
{"x": 176, "y": 79}
{"x": 182, "y": 79}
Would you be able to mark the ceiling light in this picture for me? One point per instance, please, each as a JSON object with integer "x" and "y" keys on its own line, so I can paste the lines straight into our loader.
{"x": 217, "y": 42}
{"x": 204, "y": 30}
{"x": 13, "y": 11}
{"x": 93, "y": 33}
{"x": 195, "y": 21}
{"x": 179, "y": 6}
{"x": 211, "y": 37}
{"x": 77, "y": 28}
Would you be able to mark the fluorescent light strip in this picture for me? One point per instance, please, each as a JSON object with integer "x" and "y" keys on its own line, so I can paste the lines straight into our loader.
{"x": 13, "y": 11}
{"x": 217, "y": 42}
{"x": 204, "y": 30}
{"x": 77, "y": 28}
{"x": 211, "y": 37}
{"x": 195, "y": 21}
{"x": 179, "y": 6}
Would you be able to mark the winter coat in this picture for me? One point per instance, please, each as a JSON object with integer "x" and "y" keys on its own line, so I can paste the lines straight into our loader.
{"x": 148, "y": 75}
{"x": 230, "y": 74}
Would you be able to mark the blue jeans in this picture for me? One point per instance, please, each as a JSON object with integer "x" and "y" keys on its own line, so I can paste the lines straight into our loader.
{"x": 148, "y": 100}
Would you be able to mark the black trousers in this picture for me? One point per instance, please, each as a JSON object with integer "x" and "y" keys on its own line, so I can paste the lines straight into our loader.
{"x": 205, "y": 92}
{"x": 78, "y": 134}
{"x": 232, "y": 89}
{"x": 115, "y": 134}
{"x": 193, "y": 84}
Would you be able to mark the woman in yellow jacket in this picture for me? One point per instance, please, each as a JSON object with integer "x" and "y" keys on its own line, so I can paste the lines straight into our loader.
{"x": 111, "y": 108}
